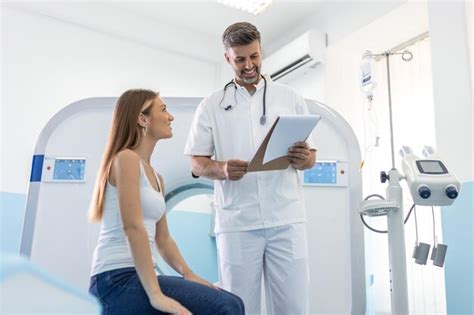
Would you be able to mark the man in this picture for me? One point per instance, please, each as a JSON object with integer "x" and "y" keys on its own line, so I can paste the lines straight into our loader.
{"x": 260, "y": 217}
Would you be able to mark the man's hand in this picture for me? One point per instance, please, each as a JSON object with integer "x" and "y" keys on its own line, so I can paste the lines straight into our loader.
{"x": 235, "y": 169}
{"x": 301, "y": 157}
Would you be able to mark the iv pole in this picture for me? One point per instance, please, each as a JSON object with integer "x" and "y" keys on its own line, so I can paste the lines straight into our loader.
{"x": 395, "y": 225}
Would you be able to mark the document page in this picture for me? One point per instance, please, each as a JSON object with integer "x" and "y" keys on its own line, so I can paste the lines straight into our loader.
{"x": 288, "y": 130}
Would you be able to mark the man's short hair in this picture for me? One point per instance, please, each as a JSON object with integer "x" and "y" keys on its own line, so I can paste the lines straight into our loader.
{"x": 240, "y": 34}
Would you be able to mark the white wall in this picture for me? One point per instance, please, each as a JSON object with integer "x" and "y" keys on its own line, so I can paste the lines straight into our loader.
{"x": 452, "y": 85}
{"x": 343, "y": 57}
{"x": 469, "y": 35}
{"x": 48, "y": 64}
{"x": 336, "y": 18}
{"x": 336, "y": 80}
{"x": 451, "y": 27}
{"x": 1, "y": 98}
{"x": 312, "y": 83}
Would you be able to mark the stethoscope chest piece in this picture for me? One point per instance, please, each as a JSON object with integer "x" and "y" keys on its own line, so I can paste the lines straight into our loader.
{"x": 263, "y": 119}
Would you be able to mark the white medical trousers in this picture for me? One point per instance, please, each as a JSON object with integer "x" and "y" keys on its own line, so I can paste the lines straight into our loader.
{"x": 280, "y": 254}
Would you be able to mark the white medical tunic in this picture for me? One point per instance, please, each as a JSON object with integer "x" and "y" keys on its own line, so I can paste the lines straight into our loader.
{"x": 260, "y": 199}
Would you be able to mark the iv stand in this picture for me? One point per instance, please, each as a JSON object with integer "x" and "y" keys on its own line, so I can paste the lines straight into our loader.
{"x": 395, "y": 225}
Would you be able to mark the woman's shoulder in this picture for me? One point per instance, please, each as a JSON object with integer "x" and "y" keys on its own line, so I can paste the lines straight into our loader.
{"x": 127, "y": 154}
{"x": 126, "y": 158}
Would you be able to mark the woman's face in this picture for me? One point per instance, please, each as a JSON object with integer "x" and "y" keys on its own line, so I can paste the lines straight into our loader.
{"x": 159, "y": 125}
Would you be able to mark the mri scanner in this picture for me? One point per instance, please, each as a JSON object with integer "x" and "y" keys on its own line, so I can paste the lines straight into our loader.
{"x": 58, "y": 238}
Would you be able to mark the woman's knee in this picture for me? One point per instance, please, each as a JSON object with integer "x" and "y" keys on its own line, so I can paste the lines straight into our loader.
{"x": 233, "y": 305}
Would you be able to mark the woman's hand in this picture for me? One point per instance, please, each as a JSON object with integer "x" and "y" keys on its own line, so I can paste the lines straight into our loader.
{"x": 168, "y": 305}
{"x": 190, "y": 276}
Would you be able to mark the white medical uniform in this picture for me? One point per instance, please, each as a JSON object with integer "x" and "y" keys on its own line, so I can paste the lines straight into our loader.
{"x": 260, "y": 219}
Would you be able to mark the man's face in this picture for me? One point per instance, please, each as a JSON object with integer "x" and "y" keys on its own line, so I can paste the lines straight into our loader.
{"x": 246, "y": 62}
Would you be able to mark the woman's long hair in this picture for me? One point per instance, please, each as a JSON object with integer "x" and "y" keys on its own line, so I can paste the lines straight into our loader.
{"x": 125, "y": 133}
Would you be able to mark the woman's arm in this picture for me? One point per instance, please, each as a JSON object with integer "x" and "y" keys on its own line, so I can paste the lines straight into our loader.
{"x": 125, "y": 172}
{"x": 169, "y": 250}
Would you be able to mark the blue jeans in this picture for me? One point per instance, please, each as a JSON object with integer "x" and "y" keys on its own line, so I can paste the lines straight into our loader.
{"x": 121, "y": 292}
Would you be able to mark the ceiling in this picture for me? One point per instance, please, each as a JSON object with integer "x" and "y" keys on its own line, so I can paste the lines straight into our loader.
{"x": 194, "y": 28}
{"x": 211, "y": 18}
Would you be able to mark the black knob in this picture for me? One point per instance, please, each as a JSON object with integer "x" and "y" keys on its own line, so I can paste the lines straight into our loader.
{"x": 452, "y": 192}
{"x": 383, "y": 177}
{"x": 424, "y": 192}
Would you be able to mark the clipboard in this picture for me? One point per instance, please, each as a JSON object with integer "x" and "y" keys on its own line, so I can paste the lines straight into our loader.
{"x": 280, "y": 163}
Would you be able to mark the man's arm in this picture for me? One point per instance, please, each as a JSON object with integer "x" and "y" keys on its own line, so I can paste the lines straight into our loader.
{"x": 220, "y": 170}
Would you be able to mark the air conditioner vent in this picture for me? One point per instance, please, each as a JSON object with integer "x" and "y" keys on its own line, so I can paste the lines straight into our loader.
{"x": 291, "y": 67}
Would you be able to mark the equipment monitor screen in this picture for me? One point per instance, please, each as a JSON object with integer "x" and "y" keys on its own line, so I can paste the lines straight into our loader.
{"x": 69, "y": 169}
{"x": 431, "y": 167}
{"x": 321, "y": 173}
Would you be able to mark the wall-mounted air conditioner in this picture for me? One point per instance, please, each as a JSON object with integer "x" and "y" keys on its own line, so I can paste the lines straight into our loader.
{"x": 297, "y": 57}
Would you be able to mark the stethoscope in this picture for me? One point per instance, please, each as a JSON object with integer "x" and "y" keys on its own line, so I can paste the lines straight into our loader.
{"x": 263, "y": 118}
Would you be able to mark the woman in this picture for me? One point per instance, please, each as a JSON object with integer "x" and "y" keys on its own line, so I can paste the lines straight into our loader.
{"x": 128, "y": 200}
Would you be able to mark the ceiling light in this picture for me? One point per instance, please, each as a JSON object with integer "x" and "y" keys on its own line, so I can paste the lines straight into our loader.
{"x": 251, "y": 6}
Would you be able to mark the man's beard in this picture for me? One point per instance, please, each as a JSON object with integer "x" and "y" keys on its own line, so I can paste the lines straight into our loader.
{"x": 248, "y": 80}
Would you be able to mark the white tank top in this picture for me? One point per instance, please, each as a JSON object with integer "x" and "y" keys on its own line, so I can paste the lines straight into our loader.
{"x": 113, "y": 251}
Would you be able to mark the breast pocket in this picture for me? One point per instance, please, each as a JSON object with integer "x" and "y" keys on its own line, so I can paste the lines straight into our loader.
{"x": 233, "y": 134}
